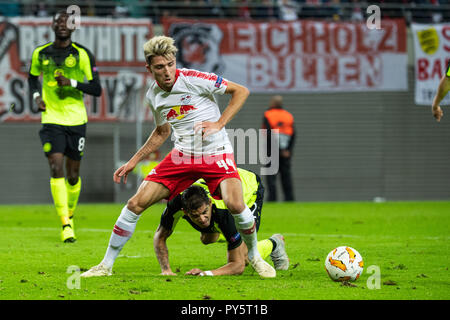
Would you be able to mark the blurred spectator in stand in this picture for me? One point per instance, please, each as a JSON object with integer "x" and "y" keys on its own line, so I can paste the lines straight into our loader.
{"x": 215, "y": 7}
{"x": 334, "y": 10}
{"x": 436, "y": 15}
{"x": 41, "y": 10}
{"x": 287, "y": 10}
{"x": 243, "y": 10}
{"x": 357, "y": 13}
{"x": 120, "y": 11}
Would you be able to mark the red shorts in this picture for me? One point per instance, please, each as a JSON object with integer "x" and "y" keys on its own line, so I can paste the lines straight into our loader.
{"x": 177, "y": 171}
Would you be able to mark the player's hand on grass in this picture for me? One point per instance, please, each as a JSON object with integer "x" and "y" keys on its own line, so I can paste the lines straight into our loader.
{"x": 40, "y": 103}
{"x": 194, "y": 272}
{"x": 123, "y": 172}
{"x": 62, "y": 81}
{"x": 437, "y": 113}
{"x": 207, "y": 128}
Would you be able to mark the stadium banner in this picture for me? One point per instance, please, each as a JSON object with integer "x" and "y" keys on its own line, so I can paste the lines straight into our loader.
{"x": 116, "y": 45}
{"x": 296, "y": 56}
{"x": 432, "y": 54}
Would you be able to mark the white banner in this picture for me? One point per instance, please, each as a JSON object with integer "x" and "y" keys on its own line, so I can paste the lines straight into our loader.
{"x": 432, "y": 54}
{"x": 116, "y": 45}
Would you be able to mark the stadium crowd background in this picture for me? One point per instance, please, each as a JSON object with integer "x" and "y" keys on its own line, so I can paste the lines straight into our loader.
{"x": 352, "y": 145}
{"x": 422, "y": 11}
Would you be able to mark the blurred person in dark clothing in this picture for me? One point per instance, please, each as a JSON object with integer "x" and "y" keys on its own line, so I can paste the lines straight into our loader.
{"x": 279, "y": 121}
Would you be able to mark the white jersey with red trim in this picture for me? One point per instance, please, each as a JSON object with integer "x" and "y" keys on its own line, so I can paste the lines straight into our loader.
{"x": 191, "y": 100}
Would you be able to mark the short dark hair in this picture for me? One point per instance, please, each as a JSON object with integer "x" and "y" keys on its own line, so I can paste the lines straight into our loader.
{"x": 59, "y": 13}
{"x": 193, "y": 198}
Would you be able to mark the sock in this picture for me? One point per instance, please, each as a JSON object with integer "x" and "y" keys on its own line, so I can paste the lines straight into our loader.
{"x": 265, "y": 247}
{"x": 123, "y": 230}
{"x": 73, "y": 193}
{"x": 245, "y": 223}
{"x": 274, "y": 245}
{"x": 59, "y": 194}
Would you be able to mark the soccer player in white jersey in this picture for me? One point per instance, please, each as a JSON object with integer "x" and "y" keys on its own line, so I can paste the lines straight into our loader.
{"x": 183, "y": 100}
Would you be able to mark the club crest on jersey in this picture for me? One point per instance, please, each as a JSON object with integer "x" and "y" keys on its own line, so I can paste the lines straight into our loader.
{"x": 179, "y": 112}
{"x": 70, "y": 61}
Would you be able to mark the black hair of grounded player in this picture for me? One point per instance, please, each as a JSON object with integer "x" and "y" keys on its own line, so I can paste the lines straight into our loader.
{"x": 193, "y": 198}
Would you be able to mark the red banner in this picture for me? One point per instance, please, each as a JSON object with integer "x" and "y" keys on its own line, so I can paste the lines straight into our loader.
{"x": 295, "y": 56}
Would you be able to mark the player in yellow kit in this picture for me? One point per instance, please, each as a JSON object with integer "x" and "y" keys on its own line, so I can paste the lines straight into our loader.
{"x": 63, "y": 65}
{"x": 213, "y": 220}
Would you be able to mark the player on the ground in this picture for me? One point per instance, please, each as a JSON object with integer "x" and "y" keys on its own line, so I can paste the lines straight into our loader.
{"x": 183, "y": 100}
{"x": 64, "y": 65}
{"x": 212, "y": 218}
{"x": 442, "y": 90}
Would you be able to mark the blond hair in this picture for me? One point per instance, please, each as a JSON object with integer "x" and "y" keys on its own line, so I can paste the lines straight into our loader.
{"x": 159, "y": 46}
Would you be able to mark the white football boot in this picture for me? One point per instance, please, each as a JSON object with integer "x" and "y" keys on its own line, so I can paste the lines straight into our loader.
{"x": 279, "y": 256}
{"x": 264, "y": 269}
{"x": 97, "y": 271}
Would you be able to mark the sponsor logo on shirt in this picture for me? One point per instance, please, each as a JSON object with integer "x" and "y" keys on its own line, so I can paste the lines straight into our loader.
{"x": 179, "y": 112}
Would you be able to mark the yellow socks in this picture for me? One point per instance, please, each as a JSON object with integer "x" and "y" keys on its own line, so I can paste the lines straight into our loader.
{"x": 73, "y": 193}
{"x": 265, "y": 248}
{"x": 59, "y": 193}
{"x": 65, "y": 197}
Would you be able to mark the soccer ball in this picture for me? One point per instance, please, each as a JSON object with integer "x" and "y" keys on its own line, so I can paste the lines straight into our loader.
{"x": 344, "y": 264}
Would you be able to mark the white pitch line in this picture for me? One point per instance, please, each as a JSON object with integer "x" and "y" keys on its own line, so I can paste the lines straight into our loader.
{"x": 288, "y": 234}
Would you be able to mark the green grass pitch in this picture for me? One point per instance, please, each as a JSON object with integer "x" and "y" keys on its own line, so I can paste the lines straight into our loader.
{"x": 407, "y": 241}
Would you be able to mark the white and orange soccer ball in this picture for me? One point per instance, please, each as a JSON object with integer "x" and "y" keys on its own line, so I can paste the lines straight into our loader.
{"x": 344, "y": 264}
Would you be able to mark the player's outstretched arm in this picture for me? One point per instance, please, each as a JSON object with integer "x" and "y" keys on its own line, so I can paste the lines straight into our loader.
{"x": 153, "y": 143}
{"x": 443, "y": 89}
{"x": 235, "y": 265}
{"x": 161, "y": 250}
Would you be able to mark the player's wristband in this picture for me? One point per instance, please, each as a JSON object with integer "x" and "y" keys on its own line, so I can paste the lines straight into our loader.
{"x": 73, "y": 83}
{"x": 35, "y": 95}
{"x": 206, "y": 273}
